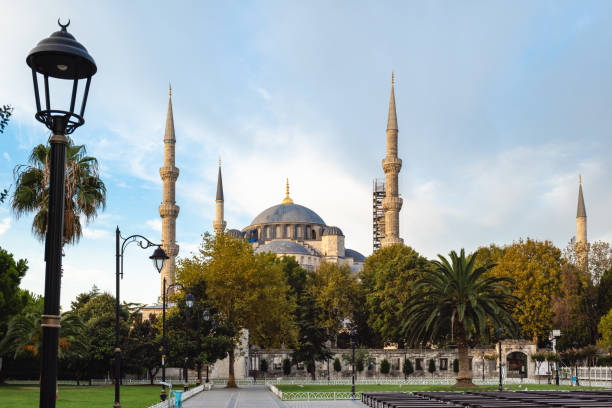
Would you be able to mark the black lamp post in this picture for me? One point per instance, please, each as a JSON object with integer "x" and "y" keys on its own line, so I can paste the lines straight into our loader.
{"x": 206, "y": 317}
{"x": 162, "y": 394}
{"x": 483, "y": 365}
{"x": 500, "y": 331}
{"x": 159, "y": 258}
{"x": 60, "y": 56}
{"x": 352, "y": 335}
{"x": 189, "y": 299}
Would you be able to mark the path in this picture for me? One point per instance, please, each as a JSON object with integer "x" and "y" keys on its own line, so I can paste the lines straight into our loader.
{"x": 256, "y": 397}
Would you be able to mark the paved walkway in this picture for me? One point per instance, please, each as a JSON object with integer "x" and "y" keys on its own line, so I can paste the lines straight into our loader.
{"x": 256, "y": 397}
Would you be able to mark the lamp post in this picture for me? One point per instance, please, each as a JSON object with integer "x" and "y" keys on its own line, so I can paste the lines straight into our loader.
{"x": 206, "y": 317}
{"x": 483, "y": 365}
{"x": 555, "y": 335}
{"x": 162, "y": 394}
{"x": 159, "y": 258}
{"x": 500, "y": 331}
{"x": 60, "y": 56}
{"x": 575, "y": 344}
{"x": 348, "y": 326}
{"x": 189, "y": 299}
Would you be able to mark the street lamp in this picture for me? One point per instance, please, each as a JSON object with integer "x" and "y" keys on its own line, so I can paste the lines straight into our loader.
{"x": 555, "y": 334}
{"x": 158, "y": 258}
{"x": 162, "y": 394}
{"x": 189, "y": 299}
{"x": 500, "y": 331}
{"x": 206, "y": 316}
{"x": 483, "y": 366}
{"x": 348, "y": 326}
{"x": 575, "y": 344}
{"x": 60, "y": 56}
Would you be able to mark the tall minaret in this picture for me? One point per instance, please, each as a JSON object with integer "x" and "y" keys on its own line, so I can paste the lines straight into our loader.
{"x": 219, "y": 223}
{"x": 582, "y": 246}
{"x": 168, "y": 210}
{"x": 392, "y": 203}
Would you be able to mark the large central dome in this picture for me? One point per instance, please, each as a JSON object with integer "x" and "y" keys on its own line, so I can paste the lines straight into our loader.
{"x": 288, "y": 213}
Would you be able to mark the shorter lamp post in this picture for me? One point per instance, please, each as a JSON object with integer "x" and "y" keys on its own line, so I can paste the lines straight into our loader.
{"x": 159, "y": 258}
{"x": 206, "y": 317}
{"x": 575, "y": 344}
{"x": 555, "y": 335}
{"x": 348, "y": 326}
{"x": 189, "y": 299}
{"x": 162, "y": 394}
{"x": 483, "y": 365}
{"x": 500, "y": 331}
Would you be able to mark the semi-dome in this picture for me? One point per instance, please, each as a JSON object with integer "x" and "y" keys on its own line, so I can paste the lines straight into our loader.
{"x": 234, "y": 233}
{"x": 332, "y": 231}
{"x": 283, "y": 247}
{"x": 351, "y": 253}
{"x": 288, "y": 213}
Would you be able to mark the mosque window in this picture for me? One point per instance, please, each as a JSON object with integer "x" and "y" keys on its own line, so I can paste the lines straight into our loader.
{"x": 313, "y": 234}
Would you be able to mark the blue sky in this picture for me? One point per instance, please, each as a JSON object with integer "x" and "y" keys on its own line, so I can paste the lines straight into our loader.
{"x": 500, "y": 106}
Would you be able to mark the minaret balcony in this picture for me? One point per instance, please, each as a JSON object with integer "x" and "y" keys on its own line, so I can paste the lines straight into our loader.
{"x": 392, "y": 164}
{"x": 168, "y": 173}
{"x": 392, "y": 203}
{"x": 169, "y": 210}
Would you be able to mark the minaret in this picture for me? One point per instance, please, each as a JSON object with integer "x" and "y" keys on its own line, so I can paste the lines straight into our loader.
{"x": 168, "y": 210}
{"x": 582, "y": 246}
{"x": 219, "y": 223}
{"x": 392, "y": 203}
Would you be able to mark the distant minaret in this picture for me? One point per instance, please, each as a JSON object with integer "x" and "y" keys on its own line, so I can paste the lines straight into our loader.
{"x": 392, "y": 203}
{"x": 219, "y": 223}
{"x": 582, "y": 246}
{"x": 168, "y": 210}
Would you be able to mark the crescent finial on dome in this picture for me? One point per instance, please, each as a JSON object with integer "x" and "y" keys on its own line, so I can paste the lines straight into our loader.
{"x": 287, "y": 199}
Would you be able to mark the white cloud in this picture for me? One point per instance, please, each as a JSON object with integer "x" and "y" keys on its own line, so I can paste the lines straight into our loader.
{"x": 155, "y": 224}
{"x": 94, "y": 233}
{"x": 6, "y": 156}
{"x": 5, "y": 224}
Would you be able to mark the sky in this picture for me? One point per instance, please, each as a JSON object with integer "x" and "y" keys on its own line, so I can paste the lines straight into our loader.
{"x": 500, "y": 105}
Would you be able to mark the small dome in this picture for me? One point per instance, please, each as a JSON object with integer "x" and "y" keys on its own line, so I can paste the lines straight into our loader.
{"x": 288, "y": 213}
{"x": 283, "y": 247}
{"x": 357, "y": 257}
{"x": 332, "y": 231}
{"x": 234, "y": 233}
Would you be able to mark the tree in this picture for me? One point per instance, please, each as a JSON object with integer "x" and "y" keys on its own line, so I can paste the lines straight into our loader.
{"x": 604, "y": 293}
{"x": 247, "y": 291}
{"x": 5, "y": 114}
{"x": 337, "y": 365}
{"x": 85, "y": 191}
{"x": 24, "y": 334}
{"x": 456, "y": 365}
{"x": 539, "y": 358}
{"x": 385, "y": 367}
{"x": 457, "y": 298}
{"x": 12, "y": 299}
{"x": 387, "y": 279}
{"x": 362, "y": 356}
{"x": 407, "y": 368}
{"x": 432, "y": 367}
{"x": 605, "y": 330}
{"x": 263, "y": 366}
{"x": 143, "y": 346}
{"x": 535, "y": 266}
{"x": 286, "y": 367}
{"x": 599, "y": 257}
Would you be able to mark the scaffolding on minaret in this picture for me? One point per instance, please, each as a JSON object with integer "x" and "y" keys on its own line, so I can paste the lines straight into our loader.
{"x": 378, "y": 214}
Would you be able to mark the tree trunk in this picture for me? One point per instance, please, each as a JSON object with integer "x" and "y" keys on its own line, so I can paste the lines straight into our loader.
{"x": 464, "y": 377}
{"x": 313, "y": 373}
{"x": 231, "y": 382}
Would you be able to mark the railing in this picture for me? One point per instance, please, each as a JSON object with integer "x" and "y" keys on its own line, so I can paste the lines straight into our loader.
{"x": 169, "y": 403}
{"x": 319, "y": 396}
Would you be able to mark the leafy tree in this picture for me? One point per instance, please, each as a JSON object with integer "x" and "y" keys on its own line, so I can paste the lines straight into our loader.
{"x": 535, "y": 267}
{"x": 456, "y": 365}
{"x": 286, "y": 366}
{"x": 407, "y": 368}
{"x": 432, "y": 367}
{"x": 458, "y": 298}
{"x": 385, "y": 367}
{"x": 85, "y": 191}
{"x": 605, "y": 330}
{"x": 12, "y": 299}
{"x": 5, "y": 114}
{"x": 143, "y": 346}
{"x": 599, "y": 256}
{"x": 387, "y": 279}
{"x": 539, "y": 358}
{"x": 337, "y": 365}
{"x": 362, "y": 356}
{"x": 263, "y": 365}
{"x": 604, "y": 293}
{"x": 24, "y": 334}
{"x": 247, "y": 291}
{"x": 489, "y": 255}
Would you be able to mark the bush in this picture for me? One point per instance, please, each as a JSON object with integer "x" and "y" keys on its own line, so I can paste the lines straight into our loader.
{"x": 337, "y": 365}
{"x": 310, "y": 367}
{"x": 456, "y": 365}
{"x": 286, "y": 366}
{"x": 263, "y": 365}
{"x": 408, "y": 368}
{"x": 432, "y": 367}
{"x": 605, "y": 361}
{"x": 385, "y": 367}
{"x": 359, "y": 366}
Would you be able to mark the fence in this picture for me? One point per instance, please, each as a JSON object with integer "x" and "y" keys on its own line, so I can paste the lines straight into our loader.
{"x": 169, "y": 403}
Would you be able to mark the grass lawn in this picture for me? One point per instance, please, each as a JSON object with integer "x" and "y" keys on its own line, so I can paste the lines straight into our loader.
{"x": 133, "y": 396}
{"x": 415, "y": 387}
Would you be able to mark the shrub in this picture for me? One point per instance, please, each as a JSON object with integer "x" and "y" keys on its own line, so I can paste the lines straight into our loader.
{"x": 408, "y": 368}
{"x": 432, "y": 367}
{"x": 456, "y": 365}
{"x": 385, "y": 367}
{"x": 263, "y": 365}
{"x": 359, "y": 365}
{"x": 286, "y": 366}
{"x": 337, "y": 365}
{"x": 605, "y": 361}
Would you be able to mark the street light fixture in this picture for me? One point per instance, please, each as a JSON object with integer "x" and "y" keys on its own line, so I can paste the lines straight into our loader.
{"x": 189, "y": 300}
{"x": 162, "y": 394}
{"x": 60, "y": 56}
{"x": 500, "y": 331}
{"x": 159, "y": 258}
{"x": 348, "y": 326}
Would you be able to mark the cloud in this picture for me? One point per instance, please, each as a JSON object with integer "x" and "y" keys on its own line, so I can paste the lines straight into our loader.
{"x": 6, "y": 156}
{"x": 5, "y": 224}
{"x": 155, "y": 224}
{"x": 94, "y": 233}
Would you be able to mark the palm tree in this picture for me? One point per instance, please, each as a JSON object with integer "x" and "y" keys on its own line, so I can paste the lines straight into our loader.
{"x": 458, "y": 298}
{"x": 85, "y": 191}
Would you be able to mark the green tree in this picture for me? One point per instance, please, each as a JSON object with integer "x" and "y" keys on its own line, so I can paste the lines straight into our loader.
{"x": 604, "y": 293}
{"x": 12, "y": 299}
{"x": 24, "y": 334}
{"x": 407, "y": 368}
{"x": 362, "y": 356}
{"x": 605, "y": 330}
{"x": 5, "y": 114}
{"x": 535, "y": 266}
{"x": 432, "y": 367}
{"x": 456, "y": 365}
{"x": 286, "y": 367}
{"x": 387, "y": 279}
{"x": 247, "y": 291}
{"x": 85, "y": 191}
{"x": 263, "y": 366}
{"x": 457, "y": 298}
{"x": 143, "y": 346}
{"x": 337, "y": 365}
{"x": 385, "y": 367}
